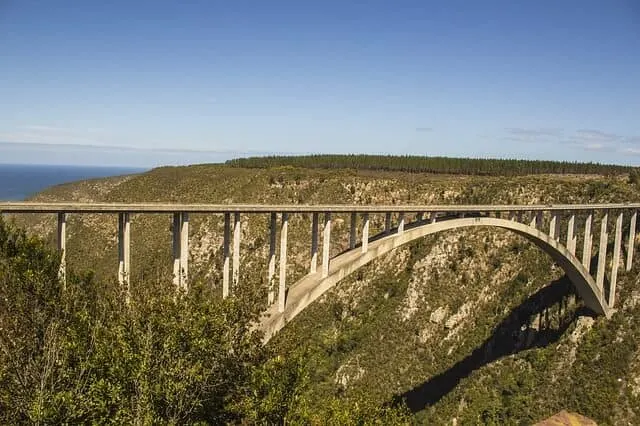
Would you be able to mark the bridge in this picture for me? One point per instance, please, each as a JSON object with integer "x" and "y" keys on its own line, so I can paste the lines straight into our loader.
{"x": 540, "y": 224}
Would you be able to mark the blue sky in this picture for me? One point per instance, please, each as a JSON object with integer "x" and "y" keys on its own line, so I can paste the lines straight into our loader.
{"x": 171, "y": 81}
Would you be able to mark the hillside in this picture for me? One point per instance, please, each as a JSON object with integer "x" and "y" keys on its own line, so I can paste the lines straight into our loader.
{"x": 468, "y": 327}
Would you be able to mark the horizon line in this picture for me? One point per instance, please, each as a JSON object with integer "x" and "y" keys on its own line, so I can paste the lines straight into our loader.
{"x": 241, "y": 154}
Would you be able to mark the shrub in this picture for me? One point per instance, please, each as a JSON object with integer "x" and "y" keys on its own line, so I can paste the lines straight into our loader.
{"x": 87, "y": 353}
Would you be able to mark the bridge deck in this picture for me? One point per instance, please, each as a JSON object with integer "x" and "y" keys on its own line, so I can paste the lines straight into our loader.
{"x": 69, "y": 207}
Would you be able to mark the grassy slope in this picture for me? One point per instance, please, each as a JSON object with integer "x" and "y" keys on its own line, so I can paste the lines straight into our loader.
{"x": 473, "y": 325}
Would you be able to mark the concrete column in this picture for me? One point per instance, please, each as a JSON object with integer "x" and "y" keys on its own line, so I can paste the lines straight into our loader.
{"x": 225, "y": 251}
{"x": 177, "y": 227}
{"x": 534, "y": 220}
{"x": 124, "y": 249}
{"x": 283, "y": 262}
{"x": 121, "y": 279}
{"x": 62, "y": 247}
{"x": 272, "y": 259}
{"x": 314, "y": 243}
{"x": 184, "y": 250}
{"x": 237, "y": 225}
{"x": 602, "y": 252}
{"x": 180, "y": 249}
{"x": 352, "y": 231}
{"x": 553, "y": 226}
{"x": 365, "y": 232}
{"x": 434, "y": 217}
{"x": 571, "y": 238}
{"x": 401, "y": 224}
{"x": 632, "y": 240}
{"x": 616, "y": 260}
{"x": 387, "y": 223}
{"x": 326, "y": 242}
{"x": 588, "y": 242}
{"x": 127, "y": 248}
{"x": 512, "y": 216}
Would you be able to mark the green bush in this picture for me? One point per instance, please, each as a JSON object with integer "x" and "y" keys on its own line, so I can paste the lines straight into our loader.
{"x": 87, "y": 353}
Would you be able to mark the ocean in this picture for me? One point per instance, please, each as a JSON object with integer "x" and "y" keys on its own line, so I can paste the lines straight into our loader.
{"x": 19, "y": 181}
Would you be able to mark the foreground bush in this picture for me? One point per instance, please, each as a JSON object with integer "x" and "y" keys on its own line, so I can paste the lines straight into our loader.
{"x": 84, "y": 353}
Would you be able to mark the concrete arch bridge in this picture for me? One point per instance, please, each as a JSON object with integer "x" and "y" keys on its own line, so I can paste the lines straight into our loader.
{"x": 540, "y": 224}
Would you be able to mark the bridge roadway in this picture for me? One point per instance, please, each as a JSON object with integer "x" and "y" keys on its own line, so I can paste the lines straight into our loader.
{"x": 540, "y": 224}
{"x": 73, "y": 207}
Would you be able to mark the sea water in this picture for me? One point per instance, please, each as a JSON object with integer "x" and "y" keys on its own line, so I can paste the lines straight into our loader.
{"x": 20, "y": 181}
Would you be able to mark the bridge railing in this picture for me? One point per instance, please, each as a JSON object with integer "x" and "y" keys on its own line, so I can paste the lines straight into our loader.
{"x": 547, "y": 219}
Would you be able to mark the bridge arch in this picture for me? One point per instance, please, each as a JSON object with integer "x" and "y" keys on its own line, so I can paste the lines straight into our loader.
{"x": 308, "y": 289}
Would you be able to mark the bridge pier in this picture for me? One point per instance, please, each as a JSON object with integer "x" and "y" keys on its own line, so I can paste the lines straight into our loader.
{"x": 365, "y": 232}
{"x": 588, "y": 242}
{"x": 534, "y": 220}
{"x": 602, "y": 252}
{"x": 401, "y": 224}
{"x": 571, "y": 239}
{"x": 387, "y": 223}
{"x": 184, "y": 250}
{"x": 326, "y": 242}
{"x": 314, "y": 243}
{"x": 124, "y": 249}
{"x": 554, "y": 226}
{"x": 237, "y": 227}
{"x": 352, "y": 231}
{"x": 632, "y": 239}
{"x": 283, "y": 262}
{"x": 180, "y": 249}
{"x": 176, "y": 249}
{"x": 271, "y": 268}
{"x": 616, "y": 260}
{"x": 62, "y": 247}
{"x": 225, "y": 253}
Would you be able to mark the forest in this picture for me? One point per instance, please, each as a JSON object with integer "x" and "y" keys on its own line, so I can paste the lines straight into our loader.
{"x": 435, "y": 165}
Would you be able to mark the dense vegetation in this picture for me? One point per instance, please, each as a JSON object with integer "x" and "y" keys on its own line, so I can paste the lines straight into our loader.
{"x": 442, "y": 165}
{"x": 467, "y": 326}
{"x": 83, "y": 353}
